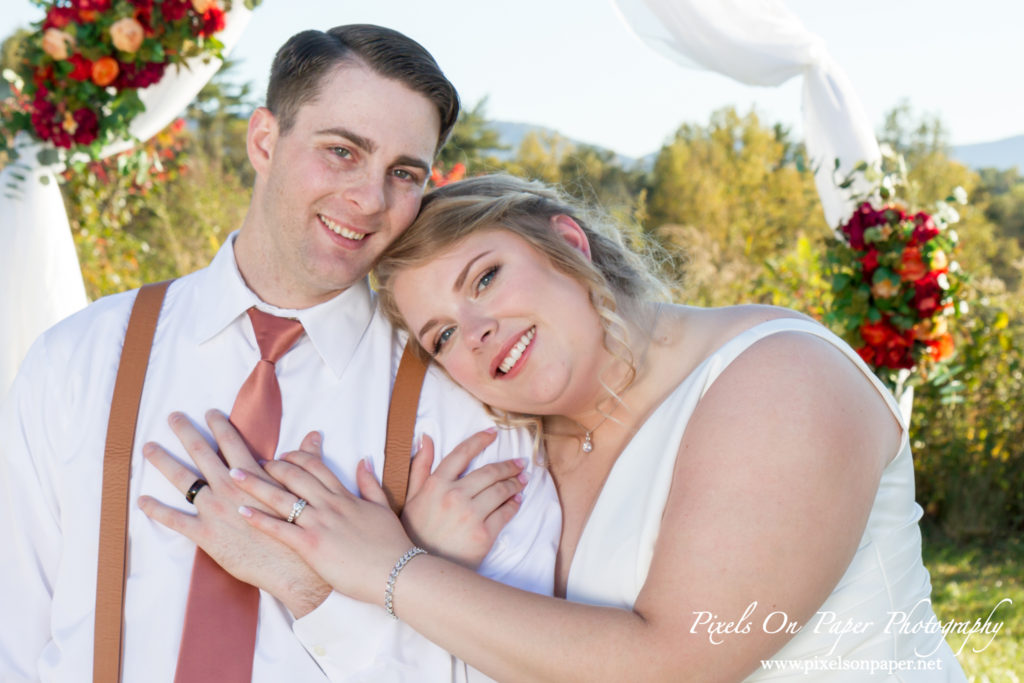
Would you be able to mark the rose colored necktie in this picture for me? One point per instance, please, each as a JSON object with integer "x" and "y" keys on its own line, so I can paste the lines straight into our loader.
{"x": 219, "y": 636}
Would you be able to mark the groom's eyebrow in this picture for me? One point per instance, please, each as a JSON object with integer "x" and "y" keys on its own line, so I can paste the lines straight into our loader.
{"x": 363, "y": 143}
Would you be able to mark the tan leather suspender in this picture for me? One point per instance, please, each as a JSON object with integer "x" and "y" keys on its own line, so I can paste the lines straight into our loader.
{"x": 405, "y": 397}
{"x": 117, "y": 466}
{"x": 124, "y": 411}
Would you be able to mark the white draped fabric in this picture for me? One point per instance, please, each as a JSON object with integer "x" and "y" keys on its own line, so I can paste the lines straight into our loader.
{"x": 761, "y": 42}
{"x": 40, "y": 278}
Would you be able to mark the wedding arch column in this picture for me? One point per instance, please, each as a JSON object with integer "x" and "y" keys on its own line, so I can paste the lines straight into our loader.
{"x": 40, "y": 277}
{"x": 761, "y": 42}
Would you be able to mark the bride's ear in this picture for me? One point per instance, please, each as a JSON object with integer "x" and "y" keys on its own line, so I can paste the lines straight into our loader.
{"x": 572, "y": 233}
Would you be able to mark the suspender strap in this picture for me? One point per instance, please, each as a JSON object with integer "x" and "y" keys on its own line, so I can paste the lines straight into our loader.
{"x": 117, "y": 465}
{"x": 405, "y": 397}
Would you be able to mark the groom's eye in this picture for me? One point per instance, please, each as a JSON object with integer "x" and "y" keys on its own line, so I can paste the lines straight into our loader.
{"x": 341, "y": 152}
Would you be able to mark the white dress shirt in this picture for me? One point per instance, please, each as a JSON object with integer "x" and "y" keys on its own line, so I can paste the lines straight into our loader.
{"x": 336, "y": 379}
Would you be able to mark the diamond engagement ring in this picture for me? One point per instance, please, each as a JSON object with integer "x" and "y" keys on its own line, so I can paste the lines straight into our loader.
{"x": 297, "y": 508}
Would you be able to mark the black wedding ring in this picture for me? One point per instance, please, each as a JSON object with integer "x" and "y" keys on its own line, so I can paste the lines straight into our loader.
{"x": 190, "y": 495}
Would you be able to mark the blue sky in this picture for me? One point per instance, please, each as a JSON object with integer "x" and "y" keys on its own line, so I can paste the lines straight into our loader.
{"x": 573, "y": 65}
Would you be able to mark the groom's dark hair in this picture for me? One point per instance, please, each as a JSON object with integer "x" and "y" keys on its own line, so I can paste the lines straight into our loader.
{"x": 301, "y": 64}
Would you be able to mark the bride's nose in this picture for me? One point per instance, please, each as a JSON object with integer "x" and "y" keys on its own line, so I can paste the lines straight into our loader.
{"x": 479, "y": 330}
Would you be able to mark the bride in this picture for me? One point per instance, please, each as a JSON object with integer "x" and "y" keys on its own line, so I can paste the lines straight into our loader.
{"x": 737, "y": 487}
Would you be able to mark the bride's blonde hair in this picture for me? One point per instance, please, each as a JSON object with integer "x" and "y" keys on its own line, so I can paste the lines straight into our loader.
{"x": 618, "y": 279}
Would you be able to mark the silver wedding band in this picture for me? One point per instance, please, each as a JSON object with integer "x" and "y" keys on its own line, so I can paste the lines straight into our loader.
{"x": 297, "y": 508}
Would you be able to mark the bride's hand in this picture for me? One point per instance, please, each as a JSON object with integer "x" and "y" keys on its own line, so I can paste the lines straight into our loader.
{"x": 456, "y": 516}
{"x": 351, "y": 542}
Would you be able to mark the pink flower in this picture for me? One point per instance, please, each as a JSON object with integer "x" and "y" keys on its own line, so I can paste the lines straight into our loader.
{"x": 127, "y": 34}
{"x": 57, "y": 44}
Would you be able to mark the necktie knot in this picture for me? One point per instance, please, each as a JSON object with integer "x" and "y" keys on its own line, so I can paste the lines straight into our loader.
{"x": 274, "y": 335}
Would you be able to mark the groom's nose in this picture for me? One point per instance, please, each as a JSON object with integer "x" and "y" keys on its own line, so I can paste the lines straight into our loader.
{"x": 367, "y": 193}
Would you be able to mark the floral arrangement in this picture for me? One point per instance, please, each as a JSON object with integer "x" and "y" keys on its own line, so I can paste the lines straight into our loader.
{"x": 895, "y": 284}
{"x": 79, "y": 73}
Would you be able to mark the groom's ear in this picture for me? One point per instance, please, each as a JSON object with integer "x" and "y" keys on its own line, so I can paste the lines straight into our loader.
{"x": 572, "y": 233}
{"x": 260, "y": 139}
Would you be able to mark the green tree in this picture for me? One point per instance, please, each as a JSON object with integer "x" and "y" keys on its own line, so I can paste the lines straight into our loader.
{"x": 474, "y": 142}
{"x": 220, "y": 116}
{"x": 727, "y": 197}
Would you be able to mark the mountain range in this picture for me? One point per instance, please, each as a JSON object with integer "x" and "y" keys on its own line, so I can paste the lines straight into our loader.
{"x": 1001, "y": 154}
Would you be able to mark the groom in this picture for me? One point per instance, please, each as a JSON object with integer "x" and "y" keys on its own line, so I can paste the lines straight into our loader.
{"x": 342, "y": 152}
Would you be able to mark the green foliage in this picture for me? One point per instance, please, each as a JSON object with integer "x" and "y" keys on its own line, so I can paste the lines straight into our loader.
{"x": 968, "y": 581}
{"x": 473, "y": 142}
{"x": 727, "y": 198}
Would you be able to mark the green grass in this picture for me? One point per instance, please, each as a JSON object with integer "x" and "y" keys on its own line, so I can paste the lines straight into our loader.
{"x": 968, "y": 580}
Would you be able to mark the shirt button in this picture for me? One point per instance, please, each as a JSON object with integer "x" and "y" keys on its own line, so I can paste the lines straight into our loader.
{"x": 320, "y": 650}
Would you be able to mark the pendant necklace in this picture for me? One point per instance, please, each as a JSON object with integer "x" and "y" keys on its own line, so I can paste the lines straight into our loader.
{"x": 588, "y": 445}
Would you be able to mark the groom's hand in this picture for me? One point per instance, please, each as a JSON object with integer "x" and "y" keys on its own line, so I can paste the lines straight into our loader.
{"x": 217, "y": 528}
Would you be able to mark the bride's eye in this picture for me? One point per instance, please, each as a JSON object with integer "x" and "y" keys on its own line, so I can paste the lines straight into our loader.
{"x": 487, "y": 278}
{"x": 442, "y": 339}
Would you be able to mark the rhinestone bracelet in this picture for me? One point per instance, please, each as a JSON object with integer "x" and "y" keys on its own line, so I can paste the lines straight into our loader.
{"x": 389, "y": 589}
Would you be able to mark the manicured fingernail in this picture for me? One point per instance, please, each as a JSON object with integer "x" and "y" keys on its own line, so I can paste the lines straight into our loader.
{"x": 419, "y": 443}
{"x": 491, "y": 430}
{"x": 366, "y": 465}
{"x": 523, "y": 477}
{"x": 317, "y": 439}
{"x": 237, "y": 474}
{"x": 244, "y": 511}
{"x": 148, "y": 448}
{"x": 518, "y": 498}
{"x": 521, "y": 462}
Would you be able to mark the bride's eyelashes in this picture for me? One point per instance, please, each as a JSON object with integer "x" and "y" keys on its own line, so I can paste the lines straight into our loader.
{"x": 480, "y": 284}
{"x": 486, "y": 278}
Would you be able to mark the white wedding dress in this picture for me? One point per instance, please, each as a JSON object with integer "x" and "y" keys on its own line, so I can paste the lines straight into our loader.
{"x": 885, "y": 576}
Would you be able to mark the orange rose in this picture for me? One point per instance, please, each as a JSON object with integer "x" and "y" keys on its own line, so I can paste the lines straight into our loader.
{"x": 57, "y": 44}
{"x": 201, "y": 6}
{"x": 104, "y": 71}
{"x": 931, "y": 329}
{"x": 885, "y": 289}
{"x": 912, "y": 268}
{"x": 941, "y": 348}
{"x": 127, "y": 34}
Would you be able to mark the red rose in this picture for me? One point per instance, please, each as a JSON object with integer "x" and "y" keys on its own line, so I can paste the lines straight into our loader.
{"x": 868, "y": 262}
{"x": 912, "y": 267}
{"x": 863, "y": 217}
{"x": 174, "y": 10}
{"x": 59, "y": 17}
{"x": 82, "y": 70}
{"x": 927, "y": 294}
{"x": 213, "y": 21}
{"x": 88, "y": 126}
{"x": 924, "y": 228}
{"x": 875, "y": 334}
{"x": 93, "y": 5}
{"x": 140, "y": 76}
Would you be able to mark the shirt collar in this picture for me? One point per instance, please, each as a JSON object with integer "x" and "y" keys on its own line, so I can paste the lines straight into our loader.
{"x": 334, "y": 327}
